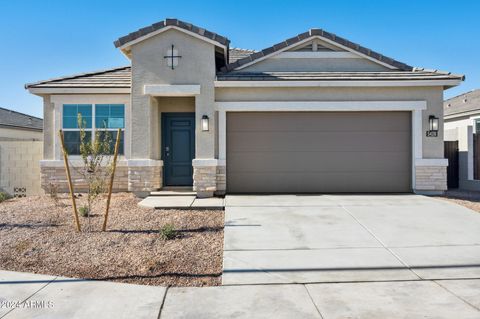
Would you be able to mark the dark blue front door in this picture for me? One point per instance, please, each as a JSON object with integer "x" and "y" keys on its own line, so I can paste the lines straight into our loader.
{"x": 178, "y": 147}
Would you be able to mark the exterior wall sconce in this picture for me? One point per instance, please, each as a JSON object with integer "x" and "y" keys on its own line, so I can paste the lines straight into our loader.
{"x": 433, "y": 124}
{"x": 205, "y": 123}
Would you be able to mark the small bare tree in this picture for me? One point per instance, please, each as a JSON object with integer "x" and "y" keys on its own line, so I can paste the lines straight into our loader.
{"x": 97, "y": 163}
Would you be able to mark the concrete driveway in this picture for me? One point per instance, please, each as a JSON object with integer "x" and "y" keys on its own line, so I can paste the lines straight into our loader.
{"x": 348, "y": 238}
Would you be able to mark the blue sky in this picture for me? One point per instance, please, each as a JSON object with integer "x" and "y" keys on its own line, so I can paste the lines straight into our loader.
{"x": 45, "y": 39}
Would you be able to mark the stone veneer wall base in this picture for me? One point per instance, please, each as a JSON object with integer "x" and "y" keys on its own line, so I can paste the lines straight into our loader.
{"x": 205, "y": 180}
{"x": 430, "y": 180}
{"x": 57, "y": 176}
{"x": 144, "y": 179}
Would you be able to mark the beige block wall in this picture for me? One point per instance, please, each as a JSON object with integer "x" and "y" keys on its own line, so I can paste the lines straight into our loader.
{"x": 20, "y": 166}
{"x": 18, "y": 134}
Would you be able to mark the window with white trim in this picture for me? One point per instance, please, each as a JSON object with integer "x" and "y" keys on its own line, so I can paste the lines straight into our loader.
{"x": 96, "y": 117}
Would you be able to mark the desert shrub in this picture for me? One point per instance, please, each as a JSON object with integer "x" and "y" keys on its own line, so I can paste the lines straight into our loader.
{"x": 97, "y": 164}
{"x": 22, "y": 246}
{"x": 84, "y": 211}
{"x": 4, "y": 196}
{"x": 168, "y": 232}
{"x": 52, "y": 190}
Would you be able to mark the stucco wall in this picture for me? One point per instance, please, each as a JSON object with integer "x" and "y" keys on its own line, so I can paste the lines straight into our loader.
{"x": 10, "y": 134}
{"x": 48, "y": 128}
{"x": 196, "y": 66}
{"x": 432, "y": 146}
{"x": 20, "y": 166}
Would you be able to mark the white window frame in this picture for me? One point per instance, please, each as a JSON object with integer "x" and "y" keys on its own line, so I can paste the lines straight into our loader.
{"x": 58, "y": 102}
{"x": 93, "y": 129}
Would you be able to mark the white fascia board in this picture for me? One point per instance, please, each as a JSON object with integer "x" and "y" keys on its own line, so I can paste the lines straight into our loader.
{"x": 305, "y": 106}
{"x": 462, "y": 114}
{"x": 171, "y": 89}
{"x": 127, "y": 45}
{"x": 317, "y": 55}
{"x": 41, "y": 91}
{"x": 323, "y": 39}
{"x": 354, "y": 83}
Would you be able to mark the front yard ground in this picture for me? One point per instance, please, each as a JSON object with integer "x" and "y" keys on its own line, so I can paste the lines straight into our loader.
{"x": 38, "y": 235}
{"x": 468, "y": 199}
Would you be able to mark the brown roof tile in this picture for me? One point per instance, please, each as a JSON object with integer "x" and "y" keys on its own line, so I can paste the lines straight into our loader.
{"x": 111, "y": 78}
{"x": 171, "y": 22}
{"x": 319, "y": 32}
{"x": 337, "y": 76}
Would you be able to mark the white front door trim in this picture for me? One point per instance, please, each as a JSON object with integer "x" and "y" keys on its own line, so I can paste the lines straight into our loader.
{"x": 416, "y": 107}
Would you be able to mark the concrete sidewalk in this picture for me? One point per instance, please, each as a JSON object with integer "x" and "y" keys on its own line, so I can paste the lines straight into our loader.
{"x": 42, "y": 296}
{"x": 24, "y": 295}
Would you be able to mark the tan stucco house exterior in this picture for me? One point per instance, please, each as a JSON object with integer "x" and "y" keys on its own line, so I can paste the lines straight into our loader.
{"x": 314, "y": 113}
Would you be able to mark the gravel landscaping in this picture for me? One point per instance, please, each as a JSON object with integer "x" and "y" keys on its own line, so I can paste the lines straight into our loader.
{"x": 38, "y": 235}
{"x": 465, "y": 198}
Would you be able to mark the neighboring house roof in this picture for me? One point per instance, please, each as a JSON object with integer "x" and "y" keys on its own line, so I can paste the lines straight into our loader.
{"x": 463, "y": 103}
{"x": 237, "y": 54}
{"x": 173, "y": 23}
{"x": 324, "y": 34}
{"x": 15, "y": 119}
{"x": 111, "y": 78}
{"x": 334, "y": 76}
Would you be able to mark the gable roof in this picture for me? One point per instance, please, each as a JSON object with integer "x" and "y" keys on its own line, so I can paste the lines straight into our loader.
{"x": 16, "y": 119}
{"x": 235, "y": 54}
{"x": 143, "y": 32}
{"x": 312, "y": 33}
{"x": 463, "y": 103}
{"x": 111, "y": 78}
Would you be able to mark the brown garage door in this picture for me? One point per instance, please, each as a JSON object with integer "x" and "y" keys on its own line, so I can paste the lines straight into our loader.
{"x": 318, "y": 152}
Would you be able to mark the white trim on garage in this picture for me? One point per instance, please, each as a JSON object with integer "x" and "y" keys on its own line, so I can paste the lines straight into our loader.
{"x": 415, "y": 107}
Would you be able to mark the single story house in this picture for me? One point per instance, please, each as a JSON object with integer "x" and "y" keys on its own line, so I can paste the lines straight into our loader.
{"x": 315, "y": 113}
{"x": 462, "y": 124}
{"x": 16, "y": 126}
